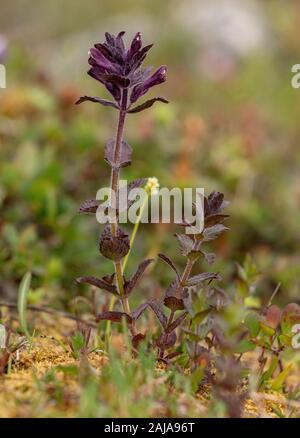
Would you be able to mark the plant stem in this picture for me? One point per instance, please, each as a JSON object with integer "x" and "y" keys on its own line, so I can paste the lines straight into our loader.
{"x": 187, "y": 272}
{"x": 132, "y": 239}
{"x": 114, "y": 180}
{"x": 114, "y": 186}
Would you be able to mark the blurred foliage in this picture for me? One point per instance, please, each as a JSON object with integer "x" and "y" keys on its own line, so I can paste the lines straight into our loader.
{"x": 232, "y": 125}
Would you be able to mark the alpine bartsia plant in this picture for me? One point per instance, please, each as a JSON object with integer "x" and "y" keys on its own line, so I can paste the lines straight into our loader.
{"x": 120, "y": 70}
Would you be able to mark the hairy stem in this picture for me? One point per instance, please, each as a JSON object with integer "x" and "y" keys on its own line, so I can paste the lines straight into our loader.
{"x": 124, "y": 264}
{"x": 187, "y": 272}
{"x": 114, "y": 180}
{"x": 114, "y": 186}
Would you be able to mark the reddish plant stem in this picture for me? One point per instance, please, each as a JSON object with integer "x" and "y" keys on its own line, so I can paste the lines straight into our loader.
{"x": 114, "y": 186}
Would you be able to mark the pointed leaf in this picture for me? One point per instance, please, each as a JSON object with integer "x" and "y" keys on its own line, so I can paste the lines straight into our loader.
{"x": 200, "y": 278}
{"x": 213, "y": 232}
{"x": 278, "y": 382}
{"x": 136, "y": 183}
{"x": 100, "y": 283}
{"x": 159, "y": 313}
{"x": 176, "y": 323}
{"x": 175, "y": 296}
{"x": 89, "y": 206}
{"x": 147, "y": 104}
{"x": 139, "y": 311}
{"x": 215, "y": 200}
{"x": 113, "y": 316}
{"x": 170, "y": 263}
{"x": 129, "y": 285}
{"x": 124, "y": 158}
{"x": 214, "y": 219}
{"x": 186, "y": 244}
{"x": 166, "y": 340}
{"x": 137, "y": 339}
{"x": 103, "y": 102}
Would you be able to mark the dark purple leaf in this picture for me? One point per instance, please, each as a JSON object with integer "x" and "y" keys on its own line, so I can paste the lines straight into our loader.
{"x": 114, "y": 247}
{"x": 174, "y": 303}
{"x": 124, "y": 158}
{"x": 139, "y": 311}
{"x": 100, "y": 283}
{"x": 89, "y": 206}
{"x": 136, "y": 183}
{"x": 170, "y": 263}
{"x": 176, "y": 323}
{"x": 174, "y": 297}
{"x": 129, "y": 285}
{"x": 200, "y": 278}
{"x": 159, "y": 313}
{"x": 137, "y": 339}
{"x": 215, "y": 200}
{"x": 109, "y": 278}
{"x": 173, "y": 355}
{"x": 113, "y": 316}
{"x": 103, "y": 102}
{"x": 186, "y": 244}
{"x": 214, "y": 219}
{"x": 213, "y": 232}
{"x": 166, "y": 340}
{"x": 147, "y": 105}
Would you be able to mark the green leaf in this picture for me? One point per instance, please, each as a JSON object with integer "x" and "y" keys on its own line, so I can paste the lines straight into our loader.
{"x": 268, "y": 374}
{"x": 245, "y": 346}
{"x": 200, "y": 316}
{"x": 77, "y": 342}
{"x": 196, "y": 378}
{"x": 269, "y": 331}
{"x": 277, "y": 411}
{"x": 252, "y": 324}
{"x": 278, "y": 382}
{"x": 22, "y": 302}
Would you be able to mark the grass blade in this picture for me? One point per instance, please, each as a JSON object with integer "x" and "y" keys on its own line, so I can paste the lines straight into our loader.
{"x": 22, "y": 302}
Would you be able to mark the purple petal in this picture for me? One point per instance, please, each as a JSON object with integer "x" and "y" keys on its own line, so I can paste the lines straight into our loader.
{"x": 114, "y": 90}
{"x": 135, "y": 46}
{"x": 139, "y": 57}
{"x": 98, "y": 59}
{"x": 156, "y": 78}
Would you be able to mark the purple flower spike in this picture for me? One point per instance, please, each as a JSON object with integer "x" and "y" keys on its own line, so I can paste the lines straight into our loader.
{"x": 119, "y": 69}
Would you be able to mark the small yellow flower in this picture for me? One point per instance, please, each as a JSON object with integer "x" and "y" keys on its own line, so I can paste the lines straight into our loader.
{"x": 152, "y": 185}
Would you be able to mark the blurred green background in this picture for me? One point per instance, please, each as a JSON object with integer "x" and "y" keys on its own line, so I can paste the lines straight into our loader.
{"x": 232, "y": 125}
